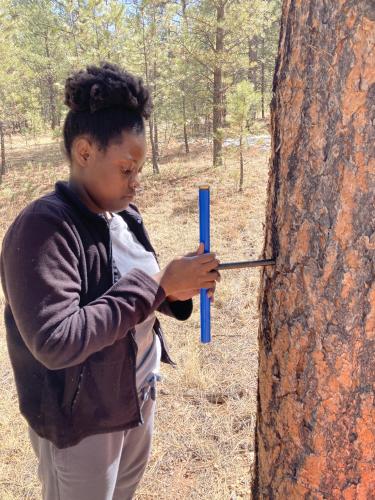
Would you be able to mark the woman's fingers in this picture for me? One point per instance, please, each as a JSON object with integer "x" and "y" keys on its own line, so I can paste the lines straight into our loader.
{"x": 208, "y": 280}
{"x": 208, "y": 285}
{"x": 206, "y": 257}
{"x": 213, "y": 276}
{"x": 211, "y": 293}
{"x": 199, "y": 251}
{"x": 209, "y": 267}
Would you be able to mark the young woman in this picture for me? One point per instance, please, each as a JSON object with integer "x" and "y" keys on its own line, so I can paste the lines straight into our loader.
{"x": 82, "y": 284}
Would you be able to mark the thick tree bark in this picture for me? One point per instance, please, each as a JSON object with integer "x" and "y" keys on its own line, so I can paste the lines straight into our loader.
{"x": 315, "y": 432}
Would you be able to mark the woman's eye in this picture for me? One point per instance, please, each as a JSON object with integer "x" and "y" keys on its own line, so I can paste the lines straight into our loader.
{"x": 126, "y": 172}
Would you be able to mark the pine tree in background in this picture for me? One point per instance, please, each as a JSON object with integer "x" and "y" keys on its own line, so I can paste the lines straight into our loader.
{"x": 243, "y": 102}
{"x": 190, "y": 54}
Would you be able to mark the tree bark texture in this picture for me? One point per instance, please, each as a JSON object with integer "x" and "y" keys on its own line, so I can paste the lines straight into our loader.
{"x": 315, "y": 431}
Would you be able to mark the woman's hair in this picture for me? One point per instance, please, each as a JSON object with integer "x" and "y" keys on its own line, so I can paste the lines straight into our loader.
{"x": 104, "y": 101}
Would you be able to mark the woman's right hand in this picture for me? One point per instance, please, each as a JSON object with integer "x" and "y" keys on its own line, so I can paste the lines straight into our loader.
{"x": 192, "y": 271}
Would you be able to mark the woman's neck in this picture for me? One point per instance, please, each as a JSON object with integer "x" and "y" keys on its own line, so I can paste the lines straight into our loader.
{"x": 84, "y": 195}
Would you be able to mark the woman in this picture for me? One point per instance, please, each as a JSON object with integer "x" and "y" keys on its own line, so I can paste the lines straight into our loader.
{"x": 82, "y": 284}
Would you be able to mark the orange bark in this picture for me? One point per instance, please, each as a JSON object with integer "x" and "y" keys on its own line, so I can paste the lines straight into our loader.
{"x": 315, "y": 435}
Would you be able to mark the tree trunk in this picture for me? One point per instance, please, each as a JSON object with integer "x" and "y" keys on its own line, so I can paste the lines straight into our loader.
{"x": 185, "y": 128}
{"x": 156, "y": 136}
{"x": 252, "y": 52}
{"x": 52, "y": 102}
{"x": 195, "y": 122}
{"x": 262, "y": 79}
{"x": 315, "y": 430}
{"x": 149, "y": 84}
{"x": 241, "y": 163}
{"x": 154, "y": 156}
{"x": 155, "y": 116}
{"x": 185, "y": 30}
{"x": 50, "y": 86}
{"x": 217, "y": 111}
{"x": 2, "y": 147}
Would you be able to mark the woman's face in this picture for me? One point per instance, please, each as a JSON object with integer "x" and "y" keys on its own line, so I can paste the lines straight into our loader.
{"x": 108, "y": 179}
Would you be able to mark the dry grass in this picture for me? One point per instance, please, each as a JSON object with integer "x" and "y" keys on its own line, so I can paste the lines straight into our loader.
{"x": 206, "y": 408}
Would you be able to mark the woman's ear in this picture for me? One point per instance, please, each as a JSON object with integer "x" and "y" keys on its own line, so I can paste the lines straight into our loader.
{"x": 82, "y": 151}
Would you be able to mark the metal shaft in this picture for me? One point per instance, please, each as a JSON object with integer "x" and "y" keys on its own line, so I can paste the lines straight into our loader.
{"x": 246, "y": 263}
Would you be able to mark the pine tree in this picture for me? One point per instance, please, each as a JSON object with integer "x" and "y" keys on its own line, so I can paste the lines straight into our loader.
{"x": 315, "y": 435}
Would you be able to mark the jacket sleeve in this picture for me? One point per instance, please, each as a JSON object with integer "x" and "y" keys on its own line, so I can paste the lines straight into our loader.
{"x": 179, "y": 309}
{"x": 42, "y": 283}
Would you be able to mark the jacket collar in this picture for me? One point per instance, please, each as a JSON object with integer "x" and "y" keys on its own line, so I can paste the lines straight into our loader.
{"x": 69, "y": 191}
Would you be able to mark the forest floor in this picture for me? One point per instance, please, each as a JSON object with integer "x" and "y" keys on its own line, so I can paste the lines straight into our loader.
{"x": 203, "y": 442}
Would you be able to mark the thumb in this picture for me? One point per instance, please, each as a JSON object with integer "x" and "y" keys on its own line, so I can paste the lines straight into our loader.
{"x": 200, "y": 249}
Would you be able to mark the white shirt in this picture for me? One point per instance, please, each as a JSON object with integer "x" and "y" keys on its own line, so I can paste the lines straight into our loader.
{"x": 128, "y": 253}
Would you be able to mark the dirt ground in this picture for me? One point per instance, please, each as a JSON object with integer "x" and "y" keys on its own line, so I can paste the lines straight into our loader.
{"x": 203, "y": 443}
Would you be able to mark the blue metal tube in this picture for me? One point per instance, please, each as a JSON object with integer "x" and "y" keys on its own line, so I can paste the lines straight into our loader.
{"x": 204, "y": 235}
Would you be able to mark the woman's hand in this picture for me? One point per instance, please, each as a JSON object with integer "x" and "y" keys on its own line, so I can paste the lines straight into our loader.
{"x": 189, "y": 294}
{"x": 184, "y": 276}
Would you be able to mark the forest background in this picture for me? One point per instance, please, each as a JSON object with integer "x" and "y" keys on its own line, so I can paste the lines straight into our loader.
{"x": 200, "y": 60}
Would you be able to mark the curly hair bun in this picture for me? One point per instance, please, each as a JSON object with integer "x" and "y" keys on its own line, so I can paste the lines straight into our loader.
{"x": 106, "y": 86}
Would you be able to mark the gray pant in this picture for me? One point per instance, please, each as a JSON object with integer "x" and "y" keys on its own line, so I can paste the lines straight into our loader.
{"x": 100, "y": 467}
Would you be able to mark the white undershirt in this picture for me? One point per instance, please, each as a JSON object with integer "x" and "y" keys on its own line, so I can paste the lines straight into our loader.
{"x": 128, "y": 253}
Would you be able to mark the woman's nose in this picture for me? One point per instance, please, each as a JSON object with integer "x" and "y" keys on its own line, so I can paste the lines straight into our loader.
{"x": 135, "y": 181}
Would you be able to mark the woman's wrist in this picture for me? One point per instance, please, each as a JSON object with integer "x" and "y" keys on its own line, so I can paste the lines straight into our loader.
{"x": 160, "y": 280}
{"x": 172, "y": 298}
